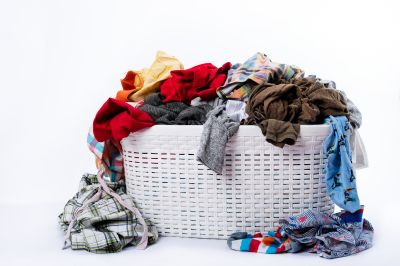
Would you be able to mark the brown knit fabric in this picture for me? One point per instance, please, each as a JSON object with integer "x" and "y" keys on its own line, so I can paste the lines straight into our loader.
{"x": 279, "y": 109}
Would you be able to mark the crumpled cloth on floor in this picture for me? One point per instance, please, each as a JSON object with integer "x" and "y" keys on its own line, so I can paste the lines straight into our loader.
{"x": 199, "y": 81}
{"x": 331, "y": 236}
{"x": 103, "y": 226}
{"x": 217, "y": 130}
{"x": 258, "y": 69}
{"x": 114, "y": 121}
{"x": 138, "y": 84}
{"x": 339, "y": 175}
{"x": 174, "y": 113}
{"x": 280, "y": 109}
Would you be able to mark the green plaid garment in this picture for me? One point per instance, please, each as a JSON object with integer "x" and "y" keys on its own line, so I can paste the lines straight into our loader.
{"x": 103, "y": 226}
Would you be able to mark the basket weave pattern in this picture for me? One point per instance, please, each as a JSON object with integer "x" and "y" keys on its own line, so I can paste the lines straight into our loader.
{"x": 260, "y": 183}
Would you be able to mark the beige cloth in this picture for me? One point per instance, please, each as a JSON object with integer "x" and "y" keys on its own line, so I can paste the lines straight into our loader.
{"x": 148, "y": 80}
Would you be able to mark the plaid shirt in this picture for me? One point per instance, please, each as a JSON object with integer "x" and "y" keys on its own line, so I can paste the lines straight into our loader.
{"x": 256, "y": 70}
{"x": 103, "y": 226}
{"x": 108, "y": 157}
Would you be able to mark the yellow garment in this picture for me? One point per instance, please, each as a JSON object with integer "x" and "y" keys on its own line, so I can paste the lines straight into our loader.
{"x": 149, "y": 79}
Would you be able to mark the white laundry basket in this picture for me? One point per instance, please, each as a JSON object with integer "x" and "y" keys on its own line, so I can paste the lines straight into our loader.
{"x": 260, "y": 183}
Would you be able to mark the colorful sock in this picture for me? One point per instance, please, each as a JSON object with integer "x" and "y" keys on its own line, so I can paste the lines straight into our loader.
{"x": 329, "y": 235}
{"x": 269, "y": 242}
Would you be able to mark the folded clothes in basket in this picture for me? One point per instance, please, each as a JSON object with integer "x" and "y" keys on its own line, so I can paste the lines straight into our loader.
{"x": 330, "y": 236}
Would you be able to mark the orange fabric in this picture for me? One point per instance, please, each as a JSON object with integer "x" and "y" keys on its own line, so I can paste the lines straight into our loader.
{"x": 267, "y": 240}
{"x": 130, "y": 84}
{"x": 137, "y": 84}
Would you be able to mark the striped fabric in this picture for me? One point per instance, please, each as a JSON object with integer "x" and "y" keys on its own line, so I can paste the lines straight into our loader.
{"x": 269, "y": 243}
{"x": 330, "y": 236}
{"x": 256, "y": 70}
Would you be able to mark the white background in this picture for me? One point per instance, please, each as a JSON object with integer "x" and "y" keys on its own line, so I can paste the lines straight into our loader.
{"x": 60, "y": 60}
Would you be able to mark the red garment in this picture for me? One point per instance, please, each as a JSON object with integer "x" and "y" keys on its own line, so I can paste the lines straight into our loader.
{"x": 116, "y": 119}
{"x": 128, "y": 83}
{"x": 199, "y": 81}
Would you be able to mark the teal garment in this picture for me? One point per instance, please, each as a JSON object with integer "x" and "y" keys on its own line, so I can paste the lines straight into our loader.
{"x": 339, "y": 175}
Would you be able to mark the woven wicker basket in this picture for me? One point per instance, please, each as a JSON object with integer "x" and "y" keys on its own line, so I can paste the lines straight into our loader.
{"x": 260, "y": 183}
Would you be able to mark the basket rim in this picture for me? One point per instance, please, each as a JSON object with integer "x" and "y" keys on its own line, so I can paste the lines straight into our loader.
{"x": 244, "y": 130}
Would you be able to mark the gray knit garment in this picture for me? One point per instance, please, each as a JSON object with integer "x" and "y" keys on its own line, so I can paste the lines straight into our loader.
{"x": 216, "y": 133}
{"x": 174, "y": 113}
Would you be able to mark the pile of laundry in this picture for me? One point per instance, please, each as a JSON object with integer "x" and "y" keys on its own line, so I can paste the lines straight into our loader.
{"x": 276, "y": 97}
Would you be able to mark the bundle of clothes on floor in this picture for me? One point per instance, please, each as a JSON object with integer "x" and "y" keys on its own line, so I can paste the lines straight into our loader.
{"x": 277, "y": 97}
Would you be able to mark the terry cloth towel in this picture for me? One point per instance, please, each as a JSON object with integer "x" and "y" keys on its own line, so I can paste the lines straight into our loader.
{"x": 330, "y": 236}
{"x": 258, "y": 69}
{"x": 174, "y": 113}
{"x": 280, "y": 109}
{"x": 116, "y": 120}
{"x": 199, "y": 81}
{"x": 103, "y": 226}
{"x": 339, "y": 175}
{"x": 217, "y": 130}
{"x": 138, "y": 84}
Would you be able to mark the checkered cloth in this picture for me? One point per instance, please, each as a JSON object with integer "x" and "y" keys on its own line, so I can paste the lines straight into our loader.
{"x": 331, "y": 236}
{"x": 258, "y": 69}
{"x": 108, "y": 156}
{"x": 104, "y": 225}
